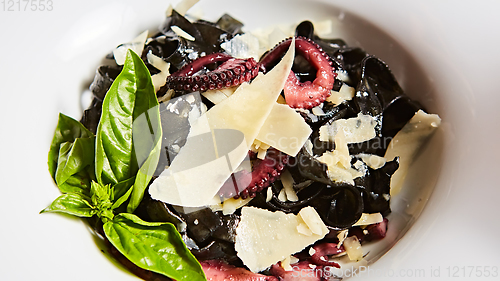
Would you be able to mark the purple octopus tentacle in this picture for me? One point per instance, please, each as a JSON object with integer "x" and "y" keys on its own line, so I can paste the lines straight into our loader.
{"x": 308, "y": 94}
{"x": 231, "y": 72}
{"x": 264, "y": 172}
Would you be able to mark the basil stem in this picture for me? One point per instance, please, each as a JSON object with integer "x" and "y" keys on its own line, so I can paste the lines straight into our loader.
{"x": 72, "y": 204}
{"x": 131, "y": 95}
{"x": 156, "y": 247}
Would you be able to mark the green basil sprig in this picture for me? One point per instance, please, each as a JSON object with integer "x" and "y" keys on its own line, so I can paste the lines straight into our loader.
{"x": 154, "y": 246}
{"x": 129, "y": 115}
{"x": 73, "y": 204}
{"x": 98, "y": 174}
{"x": 71, "y": 156}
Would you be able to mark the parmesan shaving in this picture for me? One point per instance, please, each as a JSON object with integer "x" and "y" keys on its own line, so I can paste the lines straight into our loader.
{"x": 323, "y": 28}
{"x": 216, "y": 206}
{"x": 169, "y": 10}
{"x": 264, "y": 238}
{"x": 215, "y": 96}
{"x": 271, "y": 36}
{"x": 339, "y": 161}
{"x": 264, "y": 146}
{"x": 367, "y": 219}
{"x": 312, "y": 220}
{"x": 160, "y": 78}
{"x": 181, "y": 33}
{"x": 229, "y": 206}
{"x": 318, "y": 110}
{"x": 312, "y": 251}
{"x": 344, "y": 94}
{"x": 136, "y": 45}
{"x": 256, "y": 144}
{"x": 229, "y": 91}
{"x": 193, "y": 185}
{"x": 373, "y": 161}
{"x": 182, "y": 7}
{"x": 309, "y": 147}
{"x": 353, "y": 248}
{"x": 261, "y": 154}
{"x": 304, "y": 229}
{"x": 342, "y": 236}
{"x": 343, "y": 76}
{"x": 287, "y": 181}
{"x": 357, "y": 129}
{"x": 168, "y": 95}
{"x": 282, "y": 195}
{"x": 407, "y": 142}
{"x": 284, "y": 130}
{"x": 260, "y": 148}
{"x": 276, "y": 36}
{"x": 285, "y": 264}
{"x": 242, "y": 46}
{"x": 269, "y": 195}
{"x": 195, "y": 14}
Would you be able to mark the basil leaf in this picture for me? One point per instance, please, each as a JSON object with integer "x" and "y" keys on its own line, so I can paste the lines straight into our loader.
{"x": 153, "y": 246}
{"x": 147, "y": 135}
{"x": 73, "y": 204}
{"x": 67, "y": 130}
{"x": 122, "y": 199}
{"x": 123, "y": 187}
{"x": 74, "y": 157}
{"x": 131, "y": 94}
{"x": 78, "y": 183}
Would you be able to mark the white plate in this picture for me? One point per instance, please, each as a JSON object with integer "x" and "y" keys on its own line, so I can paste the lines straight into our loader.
{"x": 444, "y": 54}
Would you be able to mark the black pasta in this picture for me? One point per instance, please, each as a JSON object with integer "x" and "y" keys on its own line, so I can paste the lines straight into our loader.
{"x": 209, "y": 234}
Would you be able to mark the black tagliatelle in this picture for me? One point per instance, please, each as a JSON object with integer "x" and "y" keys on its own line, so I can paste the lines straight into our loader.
{"x": 209, "y": 234}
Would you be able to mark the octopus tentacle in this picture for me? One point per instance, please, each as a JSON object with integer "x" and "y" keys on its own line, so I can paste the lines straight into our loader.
{"x": 304, "y": 94}
{"x": 218, "y": 270}
{"x": 322, "y": 251}
{"x": 246, "y": 184}
{"x": 303, "y": 271}
{"x": 231, "y": 72}
{"x": 198, "y": 64}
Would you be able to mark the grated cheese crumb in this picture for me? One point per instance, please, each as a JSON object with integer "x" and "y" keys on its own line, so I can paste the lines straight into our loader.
{"x": 312, "y": 251}
{"x": 342, "y": 236}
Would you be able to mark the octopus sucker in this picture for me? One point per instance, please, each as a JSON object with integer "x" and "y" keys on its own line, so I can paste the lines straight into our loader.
{"x": 246, "y": 184}
{"x": 231, "y": 72}
{"x": 304, "y": 94}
